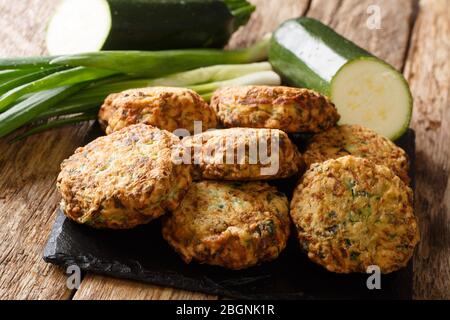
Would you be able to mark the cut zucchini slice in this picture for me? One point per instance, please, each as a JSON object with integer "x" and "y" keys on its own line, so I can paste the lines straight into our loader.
{"x": 370, "y": 92}
{"x": 79, "y": 26}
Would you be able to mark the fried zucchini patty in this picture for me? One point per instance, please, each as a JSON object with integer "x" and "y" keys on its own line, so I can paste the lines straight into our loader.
{"x": 163, "y": 107}
{"x": 124, "y": 179}
{"x": 284, "y": 108}
{"x": 351, "y": 213}
{"x": 243, "y": 154}
{"x": 230, "y": 224}
{"x": 360, "y": 142}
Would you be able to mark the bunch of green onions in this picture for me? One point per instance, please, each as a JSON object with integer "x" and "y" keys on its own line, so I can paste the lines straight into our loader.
{"x": 39, "y": 90}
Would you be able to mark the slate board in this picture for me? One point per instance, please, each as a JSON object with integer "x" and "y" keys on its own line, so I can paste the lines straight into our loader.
{"x": 142, "y": 254}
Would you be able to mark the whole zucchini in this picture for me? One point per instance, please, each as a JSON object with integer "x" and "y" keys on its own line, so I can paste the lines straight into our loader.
{"x": 92, "y": 25}
{"x": 365, "y": 89}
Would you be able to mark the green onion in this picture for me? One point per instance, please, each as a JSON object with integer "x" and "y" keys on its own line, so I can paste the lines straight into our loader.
{"x": 257, "y": 78}
{"x": 182, "y": 79}
{"x": 25, "y": 63}
{"x": 241, "y": 12}
{"x": 26, "y": 78}
{"x": 65, "y": 108}
{"x": 56, "y": 124}
{"x": 30, "y": 108}
{"x": 211, "y": 74}
{"x": 160, "y": 63}
{"x": 10, "y": 74}
{"x": 58, "y": 79}
{"x": 82, "y": 103}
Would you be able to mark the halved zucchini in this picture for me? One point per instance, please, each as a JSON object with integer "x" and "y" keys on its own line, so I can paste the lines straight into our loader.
{"x": 365, "y": 89}
{"x": 91, "y": 25}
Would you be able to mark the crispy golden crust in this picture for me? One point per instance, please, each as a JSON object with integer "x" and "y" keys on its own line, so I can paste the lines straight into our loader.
{"x": 163, "y": 107}
{"x": 351, "y": 213}
{"x": 360, "y": 142}
{"x": 212, "y": 151}
{"x": 284, "y": 108}
{"x": 124, "y": 179}
{"x": 229, "y": 224}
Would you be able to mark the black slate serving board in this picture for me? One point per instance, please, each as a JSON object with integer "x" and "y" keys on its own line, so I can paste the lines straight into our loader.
{"x": 142, "y": 254}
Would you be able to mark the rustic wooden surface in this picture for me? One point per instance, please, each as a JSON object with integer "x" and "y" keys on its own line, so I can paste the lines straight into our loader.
{"x": 413, "y": 37}
{"x": 428, "y": 72}
{"x": 100, "y": 287}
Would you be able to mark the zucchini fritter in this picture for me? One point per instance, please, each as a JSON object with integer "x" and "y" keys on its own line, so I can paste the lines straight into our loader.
{"x": 163, "y": 107}
{"x": 288, "y": 109}
{"x": 360, "y": 142}
{"x": 243, "y": 154}
{"x": 351, "y": 213}
{"x": 124, "y": 179}
{"x": 230, "y": 224}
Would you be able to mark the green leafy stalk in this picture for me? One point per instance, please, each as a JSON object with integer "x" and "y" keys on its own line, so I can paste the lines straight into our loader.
{"x": 57, "y": 79}
{"x": 27, "y": 78}
{"x": 10, "y": 74}
{"x": 241, "y": 10}
{"x": 82, "y": 103}
{"x": 30, "y": 108}
{"x": 25, "y": 63}
{"x": 68, "y": 107}
{"x": 93, "y": 96}
{"x": 155, "y": 64}
{"x": 257, "y": 78}
{"x": 78, "y": 104}
{"x": 182, "y": 79}
{"x": 56, "y": 124}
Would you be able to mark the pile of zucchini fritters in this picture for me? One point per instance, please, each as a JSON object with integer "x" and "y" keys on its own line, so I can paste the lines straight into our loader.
{"x": 352, "y": 207}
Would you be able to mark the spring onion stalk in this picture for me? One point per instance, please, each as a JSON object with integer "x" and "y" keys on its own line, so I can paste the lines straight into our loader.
{"x": 182, "y": 79}
{"x": 211, "y": 74}
{"x": 240, "y": 12}
{"x": 10, "y": 74}
{"x": 161, "y": 63}
{"x": 58, "y": 79}
{"x": 93, "y": 96}
{"x": 30, "y": 108}
{"x": 269, "y": 78}
{"x": 87, "y": 103}
{"x": 71, "y": 108}
{"x": 27, "y": 78}
{"x": 257, "y": 78}
{"x": 25, "y": 63}
{"x": 56, "y": 124}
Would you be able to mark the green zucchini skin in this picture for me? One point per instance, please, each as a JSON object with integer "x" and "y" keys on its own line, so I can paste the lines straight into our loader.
{"x": 171, "y": 24}
{"x": 306, "y": 53}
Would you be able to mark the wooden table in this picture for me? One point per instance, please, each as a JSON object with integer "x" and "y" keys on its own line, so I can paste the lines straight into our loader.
{"x": 414, "y": 37}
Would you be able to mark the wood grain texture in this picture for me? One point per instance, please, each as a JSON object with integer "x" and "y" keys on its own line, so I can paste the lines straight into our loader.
{"x": 106, "y": 288}
{"x": 28, "y": 200}
{"x": 268, "y": 15}
{"x": 349, "y": 18}
{"x": 428, "y": 72}
{"x": 22, "y": 26}
{"x": 28, "y": 172}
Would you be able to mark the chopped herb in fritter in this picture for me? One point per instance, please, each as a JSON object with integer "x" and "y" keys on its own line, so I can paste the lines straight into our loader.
{"x": 348, "y": 243}
{"x": 332, "y": 214}
{"x": 354, "y": 255}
